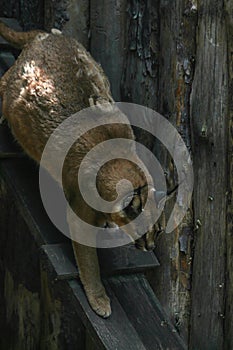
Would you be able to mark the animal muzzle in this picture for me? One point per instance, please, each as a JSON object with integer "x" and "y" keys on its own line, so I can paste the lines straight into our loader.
{"x": 148, "y": 240}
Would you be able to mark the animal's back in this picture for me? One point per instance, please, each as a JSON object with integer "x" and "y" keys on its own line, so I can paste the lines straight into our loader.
{"x": 53, "y": 78}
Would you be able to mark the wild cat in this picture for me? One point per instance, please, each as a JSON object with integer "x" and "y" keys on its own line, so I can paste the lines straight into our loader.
{"x": 53, "y": 78}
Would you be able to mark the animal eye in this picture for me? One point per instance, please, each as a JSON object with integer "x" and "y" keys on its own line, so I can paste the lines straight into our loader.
{"x": 132, "y": 207}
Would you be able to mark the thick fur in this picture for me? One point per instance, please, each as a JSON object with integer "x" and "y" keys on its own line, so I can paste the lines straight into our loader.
{"x": 53, "y": 78}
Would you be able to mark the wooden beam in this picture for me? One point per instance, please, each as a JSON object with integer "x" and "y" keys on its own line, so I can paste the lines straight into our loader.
{"x": 107, "y": 26}
{"x": 137, "y": 320}
{"x": 209, "y": 130}
{"x": 228, "y": 314}
{"x": 172, "y": 280}
{"x": 112, "y": 261}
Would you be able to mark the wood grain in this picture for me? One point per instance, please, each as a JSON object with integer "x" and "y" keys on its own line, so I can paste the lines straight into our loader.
{"x": 171, "y": 281}
{"x": 209, "y": 130}
{"x": 228, "y": 328}
{"x": 107, "y": 18}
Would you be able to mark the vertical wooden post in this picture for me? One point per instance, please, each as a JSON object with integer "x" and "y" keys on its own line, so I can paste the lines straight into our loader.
{"x": 78, "y": 24}
{"x": 228, "y": 326}
{"x": 171, "y": 280}
{"x": 107, "y": 18}
{"x": 140, "y": 77}
{"x": 209, "y": 130}
{"x": 31, "y": 14}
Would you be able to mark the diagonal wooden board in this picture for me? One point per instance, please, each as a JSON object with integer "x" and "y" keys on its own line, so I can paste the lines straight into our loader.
{"x": 137, "y": 320}
{"x": 113, "y": 261}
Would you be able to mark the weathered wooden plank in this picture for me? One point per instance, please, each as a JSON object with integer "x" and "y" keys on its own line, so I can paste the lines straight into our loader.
{"x": 112, "y": 261}
{"x": 139, "y": 83}
{"x": 107, "y": 39}
{"x": 113, "y": 333}
{"x": 26, "y": 190}
{"x": 142, "y": 324}
{"x": 125, "y": 259}
{"x": 35, "y": 312}
{"x": 9, "y": 8}
{"x": 140, "y": 77}
{"x": 78, "y": 24}
{"x": 209, "y": 125}
{"x": 71, "y": 17}
{"x": 55, "y": 14}
{"x": 31, "y": 14}
{"x": 145, "y": 313}
{"x": 228, "y": 320}
{"x": 171, "y": 281}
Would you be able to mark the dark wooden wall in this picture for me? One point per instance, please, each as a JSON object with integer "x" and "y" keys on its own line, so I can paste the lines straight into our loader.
{"x": 175, "y": 57}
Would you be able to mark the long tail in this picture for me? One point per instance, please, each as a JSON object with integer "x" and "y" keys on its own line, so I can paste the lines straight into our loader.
{"x": 17, "y": 39}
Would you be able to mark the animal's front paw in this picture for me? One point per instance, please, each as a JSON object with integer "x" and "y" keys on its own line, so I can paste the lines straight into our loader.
{"x": 100, "y": 303}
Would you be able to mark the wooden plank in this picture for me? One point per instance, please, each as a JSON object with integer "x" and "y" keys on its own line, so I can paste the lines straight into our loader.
{"x": 78, "y": 29}
{"x": 25, "y": 187}
{"x": 209, "y": 124}
{"x": 31, "y": 14}
{"x": 139, "y": 82}
{"x": 107, "y": 39}
{"x": 63, "y": 15}
{"x": 9, "y": 8}
{"x": 62, "y": 260}
{"x": 145, "y": 314}
{"x": 228, "y": 320}
{"x": 126, "y": 260}
{"x": 140, "y": 75}
{"x": 115, "y": 332}
{"x": 171, "y": 281}
{"x": 112, "y": 261}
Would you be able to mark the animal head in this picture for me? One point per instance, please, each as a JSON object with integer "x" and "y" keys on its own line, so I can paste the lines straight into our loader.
{"x": 132, "y": 203}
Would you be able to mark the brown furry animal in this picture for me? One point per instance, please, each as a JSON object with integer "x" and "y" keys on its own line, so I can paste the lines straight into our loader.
{"x": 53, "y": 78}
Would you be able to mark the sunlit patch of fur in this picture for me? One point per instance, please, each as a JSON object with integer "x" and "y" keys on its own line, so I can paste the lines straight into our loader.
{"x": 37, "y": 83}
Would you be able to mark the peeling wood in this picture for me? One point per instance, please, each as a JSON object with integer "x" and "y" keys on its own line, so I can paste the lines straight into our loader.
{"x": 172, "y": 280}
{"x": 141, "y": 55}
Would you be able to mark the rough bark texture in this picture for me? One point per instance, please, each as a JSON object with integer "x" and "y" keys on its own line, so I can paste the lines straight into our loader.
{"x": 140, "y": 75}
